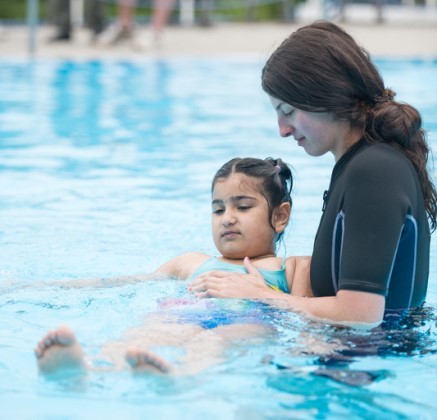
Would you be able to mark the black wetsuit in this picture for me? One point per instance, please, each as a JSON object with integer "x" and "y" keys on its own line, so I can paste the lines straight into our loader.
{"x": 374, "y": 234}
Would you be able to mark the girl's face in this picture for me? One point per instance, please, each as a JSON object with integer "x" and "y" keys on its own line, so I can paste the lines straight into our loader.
{"x": 317, "y": 132}
{"x": 240, "y": 219}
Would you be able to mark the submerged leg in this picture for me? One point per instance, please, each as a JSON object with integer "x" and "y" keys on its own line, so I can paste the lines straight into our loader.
{"x": 141, "y": 360}
{"x": 59, "y": 351}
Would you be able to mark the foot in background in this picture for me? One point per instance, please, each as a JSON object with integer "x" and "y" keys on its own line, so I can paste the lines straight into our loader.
{"x": 146, "y": 40}
{"x": 60, "y": 37}
{"x": 114, "y": 35}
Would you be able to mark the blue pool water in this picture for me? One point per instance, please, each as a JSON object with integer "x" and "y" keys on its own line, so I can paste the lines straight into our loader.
{"x": 105, "y": 170}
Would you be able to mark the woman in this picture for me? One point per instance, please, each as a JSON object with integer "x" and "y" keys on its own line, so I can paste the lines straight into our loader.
{"x": 371, "y": 251}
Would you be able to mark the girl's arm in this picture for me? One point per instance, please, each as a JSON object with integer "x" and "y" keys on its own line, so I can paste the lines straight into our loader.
{"x": 297, "y": 270}
{"x": 347, "y": 307}
{"x": 101, "y": 282}
{"x": 180, "y": 267}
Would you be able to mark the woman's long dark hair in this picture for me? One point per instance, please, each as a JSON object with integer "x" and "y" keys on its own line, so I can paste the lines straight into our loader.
{"x": 320, "y": 68}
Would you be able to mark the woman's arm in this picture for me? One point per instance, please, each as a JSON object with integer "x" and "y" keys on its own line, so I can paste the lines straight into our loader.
{"x": 347, "y": 307}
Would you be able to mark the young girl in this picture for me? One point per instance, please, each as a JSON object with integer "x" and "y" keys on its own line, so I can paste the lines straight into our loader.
{"x": 251, "y": 206}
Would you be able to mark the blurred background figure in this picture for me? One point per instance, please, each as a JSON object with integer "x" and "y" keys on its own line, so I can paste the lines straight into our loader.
{"x": 61, "y": 16}
{"x": 125, "y": 27}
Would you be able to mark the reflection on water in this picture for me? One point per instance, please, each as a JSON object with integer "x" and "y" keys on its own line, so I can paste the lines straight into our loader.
{"x": 106, "y": 169}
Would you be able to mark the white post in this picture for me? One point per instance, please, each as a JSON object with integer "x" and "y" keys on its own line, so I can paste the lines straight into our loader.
{"x": 32, "y": 21}
{"x": 186, "y": 12}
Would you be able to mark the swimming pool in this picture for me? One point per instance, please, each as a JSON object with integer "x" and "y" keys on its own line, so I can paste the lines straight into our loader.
{"x": 105, "y": 171}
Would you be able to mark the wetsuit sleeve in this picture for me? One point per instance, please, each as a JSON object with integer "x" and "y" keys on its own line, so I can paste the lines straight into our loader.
{"x": 375, "y": 208}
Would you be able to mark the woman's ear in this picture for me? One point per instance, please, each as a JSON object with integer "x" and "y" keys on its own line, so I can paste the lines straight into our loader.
{"x": 281, "y": 216}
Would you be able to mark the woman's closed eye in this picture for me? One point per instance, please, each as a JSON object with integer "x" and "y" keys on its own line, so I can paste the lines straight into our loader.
{"x": 287, "y": 112}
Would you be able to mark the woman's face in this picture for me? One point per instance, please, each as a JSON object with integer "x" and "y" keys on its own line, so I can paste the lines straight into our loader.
{"x": 317, "y": 132}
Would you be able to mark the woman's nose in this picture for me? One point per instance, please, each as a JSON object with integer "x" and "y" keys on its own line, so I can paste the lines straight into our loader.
{"x": 285, "y": 128}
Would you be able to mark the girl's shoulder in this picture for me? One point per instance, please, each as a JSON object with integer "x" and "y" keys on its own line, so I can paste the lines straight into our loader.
{"x": 270, "y": 263}
{"x": 184, "y": 265}
{"x": 195, "y": 257}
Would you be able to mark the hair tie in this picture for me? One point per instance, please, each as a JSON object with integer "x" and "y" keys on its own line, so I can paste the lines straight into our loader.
{"x": 277, "y": 169}
{"x": 386, "y": 96}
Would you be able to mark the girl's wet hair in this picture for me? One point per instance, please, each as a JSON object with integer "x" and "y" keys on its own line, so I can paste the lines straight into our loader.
{"x": 275, "y": 176}
{"x": 320, "y": 68}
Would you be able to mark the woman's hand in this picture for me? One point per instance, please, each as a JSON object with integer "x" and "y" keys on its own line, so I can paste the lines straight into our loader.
{"x": 223, "y": 284}
{"x": 348, "y": 307}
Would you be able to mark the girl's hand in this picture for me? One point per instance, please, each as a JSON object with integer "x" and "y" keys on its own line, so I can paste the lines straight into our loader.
{"x": 222, "y": 284}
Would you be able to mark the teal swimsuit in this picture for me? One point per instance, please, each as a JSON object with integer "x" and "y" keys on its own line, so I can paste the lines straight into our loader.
{"x": 211, "y": 313}
{"x": 275, "y": 279}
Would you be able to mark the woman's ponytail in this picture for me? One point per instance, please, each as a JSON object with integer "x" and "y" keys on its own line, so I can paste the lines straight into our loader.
{"x": 400, "y": 125}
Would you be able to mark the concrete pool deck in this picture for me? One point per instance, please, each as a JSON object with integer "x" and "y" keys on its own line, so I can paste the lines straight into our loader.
{"x": 393, "y": 39}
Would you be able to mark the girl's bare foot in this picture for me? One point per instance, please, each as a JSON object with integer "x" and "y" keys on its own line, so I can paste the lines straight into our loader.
{"x": 58, "y": 351}
{"x": 140, "y": 359}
